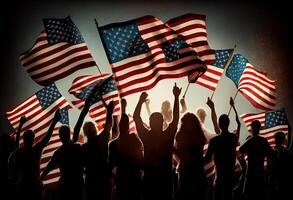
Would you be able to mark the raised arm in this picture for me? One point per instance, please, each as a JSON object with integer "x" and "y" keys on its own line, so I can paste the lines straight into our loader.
{"x": 49, "y": 133}
{"x": 237, "y": 118}
{"x": 136, "y": 115}
{"x": 87, "y": 104}
{"x": 109, "y": 118}
{"x": 176, "y": 93}
{"x": 21, "y": 123}
{"x": 211, "y": 105}
{"x": 123, "y": 106}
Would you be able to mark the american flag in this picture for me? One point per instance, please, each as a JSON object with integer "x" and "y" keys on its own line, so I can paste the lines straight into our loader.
{"x": 271, "y": 123}
{"x": 39, "y": 110}
{"x": 144, "y": 51}
{"x": 82, "y": 87}
{"x": 59, "y": 51}
{"x": 253, "y": 84}
{"x": 214, "y": 71}
{"x": 192, "y": 28}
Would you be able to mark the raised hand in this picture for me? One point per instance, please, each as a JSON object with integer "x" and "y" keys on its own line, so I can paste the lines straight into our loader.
{"x": 143, "y": 97}
{"x": 210, "y": 103}
{"x": 147, "y": 102}
{"x": 111, "y": 106}
{"x": 123, "y": 105}
{"x": 231, "y": 101}
{"x": 22, "y": 120}
{"x": 57, "y": 116}
{"x": 176, "y": 90}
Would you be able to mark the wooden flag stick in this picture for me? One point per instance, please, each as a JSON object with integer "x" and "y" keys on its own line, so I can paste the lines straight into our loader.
{"x": 234, "y": 101}
{"x": 186, "y": 90}
{"x": 226, "y": 65}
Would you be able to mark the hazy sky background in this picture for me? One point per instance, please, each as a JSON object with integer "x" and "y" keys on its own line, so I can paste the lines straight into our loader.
{"x": 260, "y": 30}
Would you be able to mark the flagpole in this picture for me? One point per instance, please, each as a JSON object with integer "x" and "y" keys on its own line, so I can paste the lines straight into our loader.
{"x": 186, "y": 90}
{"x": 234, "y": 101}
{"x": 96, "y": 22}
{"x": 225, "y": 67}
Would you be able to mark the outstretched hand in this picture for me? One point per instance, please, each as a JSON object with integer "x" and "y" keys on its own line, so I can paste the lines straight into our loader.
{"x": 143, "y": 97}
{"x": 111, "y": 106}
{"x": 22, "y": 120}
{"x": 210, "y": 103}
{"x": 176, "y": 90}
{"x": 57, "y": 116}
{"x": 231, "y": 101}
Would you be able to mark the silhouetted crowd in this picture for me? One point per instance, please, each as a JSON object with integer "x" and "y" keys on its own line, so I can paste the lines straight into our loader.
{"x": 163, "y": 160}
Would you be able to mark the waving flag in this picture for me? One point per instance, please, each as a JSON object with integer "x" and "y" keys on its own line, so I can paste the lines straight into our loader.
{"x": 214, "y": 71}
{"x": 39, "y": 111}
{"x": 82, "y": 87}
{"x": 59, "y": 51}
{"x": 144, "y": 51}
{"x": 192, "y": 29}
{"x": 271, "y": 123}
{"x": 253, "y": 84}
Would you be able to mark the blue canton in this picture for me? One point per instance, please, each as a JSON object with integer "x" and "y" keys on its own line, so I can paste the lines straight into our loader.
{"x": 62, "y": 30}
{"x": 48, "y": 95}
{"x": 171, "y": 49}
{"x": 84, "y": 94}
{"x": 236, "y": 68}
{"x": 123, "y": 41}
{"x": 222, "y": 57}
{"x": 275, "y": 118}
{"x": 108, "y": 86}
{"x": 64, "y": 116}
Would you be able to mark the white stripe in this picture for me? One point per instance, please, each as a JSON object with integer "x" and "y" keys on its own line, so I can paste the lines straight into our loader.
{"x": 64, "y": 69}
{"x": 150, "y": 25}
{"x": 164, "y": 67}
{"x": 188, "y": 23}
{"x": 260, "y": 93}
{"x": 197, "y": 39}
{"x": 58, "y": 63}
{"x": 204, "y": 81}
{"x": 153, "y": 79}
{"x": 193, "y": 31}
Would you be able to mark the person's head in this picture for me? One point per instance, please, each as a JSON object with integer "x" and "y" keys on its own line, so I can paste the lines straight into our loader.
{"x": 166, "y": 106}
{"x": 201, "y": 113}
{"x": 28, "y": 138}
{"x": 255, "y": 127}
{"x": 156, "y": 121}
{"x": 191, "y": 127}
{"x": 124, "y": 123}
{"x": 280, "y": 139}
{"x": 224, "y": 122}
{"x": 64, "y": 134}
{"x": 89, "y": 129}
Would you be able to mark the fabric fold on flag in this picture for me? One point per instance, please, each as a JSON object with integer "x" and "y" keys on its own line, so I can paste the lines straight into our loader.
{"x": 39, "y": 110}
{"x": 144, "y": 51}
{"x": 83, "y": 86}
{"x": 271, "y": 123}
{"x": 215, "y": 70}
{"x": 252, "y": 83}
{"x": 192, "y": 29}
{"x": 59, "y": 51}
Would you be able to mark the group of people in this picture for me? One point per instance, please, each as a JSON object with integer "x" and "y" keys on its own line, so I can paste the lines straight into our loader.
{"x": 161, "y": 161}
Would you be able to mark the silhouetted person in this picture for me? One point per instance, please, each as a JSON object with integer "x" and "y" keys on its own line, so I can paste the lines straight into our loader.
{"x": 6, "y": 149}
{"x": 281, "y": 168}
{"x": 126, "y": 154}
{"x": 223, "y": 148}
{"x": 27, "y": 160}
{"x": 158, "y": 150}
{"x": 256, "y": 149}
{"x": 95, "y": 157}
{"x": 190, "y": 141}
